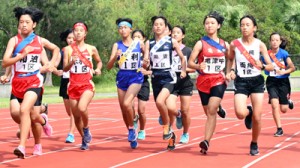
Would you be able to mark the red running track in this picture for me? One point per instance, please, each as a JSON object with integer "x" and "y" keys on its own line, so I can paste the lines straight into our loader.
{"x": 110, "y": 148}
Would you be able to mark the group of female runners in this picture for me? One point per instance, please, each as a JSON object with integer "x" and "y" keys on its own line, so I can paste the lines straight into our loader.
{"x": 165, "y": 59}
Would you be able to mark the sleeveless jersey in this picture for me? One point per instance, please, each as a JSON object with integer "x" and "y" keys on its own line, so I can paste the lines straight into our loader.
{"x": 161, "y": 58}
{"x": 79, "y": 72}
{"x": 31, "y": 62}
{"x": 214, "y": 58}
{"x": 132, "y": 62}
{"x": 243, "y": 67}
{"x": 281, "y": 55}
{"x": 176, "y": 61}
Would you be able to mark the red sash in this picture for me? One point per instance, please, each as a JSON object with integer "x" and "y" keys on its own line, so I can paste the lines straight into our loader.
{"x": 83, "y": 59}
{"x": 245, "y": 53}
{"x": 274, "y": 58}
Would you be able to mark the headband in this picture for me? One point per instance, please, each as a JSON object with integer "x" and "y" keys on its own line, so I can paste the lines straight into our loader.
{"x": 80, "y": 24}
{"x": 125, "y": 23}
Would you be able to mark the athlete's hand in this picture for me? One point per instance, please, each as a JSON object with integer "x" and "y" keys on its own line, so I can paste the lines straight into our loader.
{"x": 230, "y": 76}
{"x": 28, "y": 49}
{"x": 4, "y": 79}
{"x": 58, "y": 72}
{"x": 118, "y": 53}
{"x": 145, "y": 63}
{"x": 280, "y": 72}
{"x": 97, "y": 72}
{"x": 182, "y": 74}
{"x": 202, "y": 66}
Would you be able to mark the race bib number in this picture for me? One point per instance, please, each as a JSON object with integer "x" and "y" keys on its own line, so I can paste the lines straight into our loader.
{"x": 276, "y": 67}
{"x": 132, "y": 62}
{"x": 176, "y": 63}
{"x": 79, "y": 67}
{"x": 214, "y": 65}
{"x": 30, "y": 63}
{"x": 161, "y": 60}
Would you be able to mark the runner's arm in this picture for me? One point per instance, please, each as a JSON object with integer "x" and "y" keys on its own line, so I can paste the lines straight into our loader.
{"x": 113, "y": 57}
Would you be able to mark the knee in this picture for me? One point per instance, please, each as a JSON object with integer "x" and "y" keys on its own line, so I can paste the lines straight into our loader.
{"x": 240, "y": 116}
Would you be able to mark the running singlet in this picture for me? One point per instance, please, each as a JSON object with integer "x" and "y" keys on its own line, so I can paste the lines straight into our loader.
{"x": 31, "y": 62}
{"x": 161, "y": 53}
{"x": 243, "y": 66}
{"x": 133, "y": 61}
{"x": 281, "y": 56}
{"x": 214, "y": 58}
{"x": 176, "y": 61}
{"x": 79, "y": 67}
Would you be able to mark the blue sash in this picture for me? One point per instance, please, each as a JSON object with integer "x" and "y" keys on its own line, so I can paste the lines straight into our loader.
{"x": 29, "y": 73}
{"x": 23, "y": 43}
{"x": 213, "y": 43}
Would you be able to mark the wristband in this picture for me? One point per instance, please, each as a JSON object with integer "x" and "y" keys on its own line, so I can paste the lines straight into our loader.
{"x": 232, "y": 69}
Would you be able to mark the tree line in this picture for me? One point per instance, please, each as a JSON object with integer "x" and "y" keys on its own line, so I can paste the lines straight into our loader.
{"x": 100, "y": 16}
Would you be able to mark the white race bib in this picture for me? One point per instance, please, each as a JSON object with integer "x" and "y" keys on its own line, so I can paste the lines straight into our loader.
{"x": 30, "y": 63}
{"x": 79, "y": 67}
{"x": 214, "y": 65}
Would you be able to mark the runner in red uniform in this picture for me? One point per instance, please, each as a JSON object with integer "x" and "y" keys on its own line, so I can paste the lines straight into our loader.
{"x": 24, "y": 53}
{"x": 78, "y": 60}
{"x": 211, "y": 53}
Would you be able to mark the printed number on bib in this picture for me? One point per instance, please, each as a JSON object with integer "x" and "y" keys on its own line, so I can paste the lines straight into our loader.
{"x": 276, "y": 67}
{"x": 30, "y": 63}
{"x": 214, "y": 65}
{"x": 131, "y": 63}
{"x": 79, "y": 67}
{"x": 161, "y": 60}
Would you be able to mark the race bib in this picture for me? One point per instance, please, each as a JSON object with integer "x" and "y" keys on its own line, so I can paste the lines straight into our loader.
{"x": 276, "y": 67}
{"x": 79, "y": 67}
{"x": 161, "y": 60}
{"x": 30, "y": 63}
{"x": 214, "y": 65}
{"x": 131, "y": 62}
{"x": 176, "y": 63}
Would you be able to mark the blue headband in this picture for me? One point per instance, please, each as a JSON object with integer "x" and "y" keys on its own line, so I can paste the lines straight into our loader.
{"x": 125, "y": 23}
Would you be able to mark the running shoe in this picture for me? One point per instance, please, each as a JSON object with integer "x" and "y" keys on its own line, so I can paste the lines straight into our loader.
{"x": 70, "y": 138}
{"x": 171, "y": 143}
{"x": 167, "y": 134}
{"x": 221, "y": 112}
{"x": 179, "y": 120}
{"x": 20, "y": 152}
{"x": 248, "y": 119}
{"x": 131, "y": 135}
{"x": 254, "y": 149}
{"x": 142, "y": 135}
{"x": 87, "y": 136}
{"x": 37, "y": 149}
{"x": 204, "y": 146}
{"x": 291, "y": 104}
{"x": 160, "y": 121}
{"x": 46, "y": 108}
{"x": 134, "y": 144}
{"x": 278, "y": 133}
{"x": 46, "y": 127}
{"x": 84, "y": 145}
{"x": 135, "y": 121}
{"x": 185, "y": 137}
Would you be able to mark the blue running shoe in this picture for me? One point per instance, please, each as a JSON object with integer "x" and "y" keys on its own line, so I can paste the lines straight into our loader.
{"x": 134, "y": 144}
{"x": 185, "y": 137}
{"x": 179, "y": 120}
{"x": 87, "y": 136}
{"x": 70, "y": 138}
{"x": 141, "y": 135}
{"x": 84, "y": 145}
{"x": 160, "y": 121}
{"x": 135, "y": 121}
{"x": 131, "y": 135}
